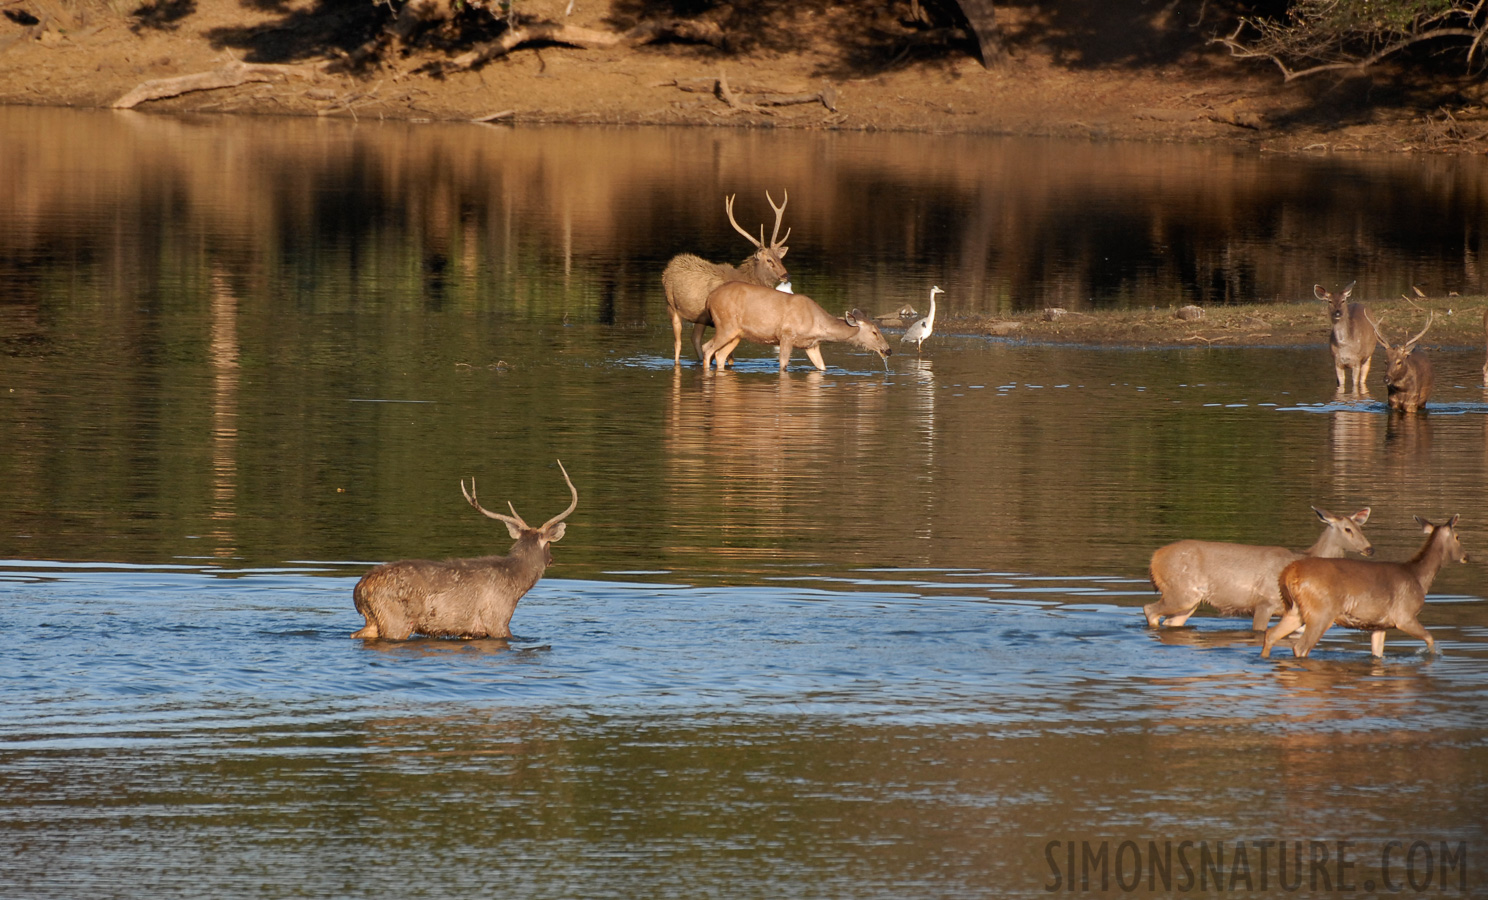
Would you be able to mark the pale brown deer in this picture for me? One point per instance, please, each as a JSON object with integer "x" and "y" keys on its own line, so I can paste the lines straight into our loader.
{"x": 1356, "y": 593}
{"x": 1485, "y": 341}
{"x": 1352, "y": 337}
{"x": 1408, "y": 379}
{"x": 688, "y": 279}
{"x": 464, "y": 598}
{"x": 766, "y": 316}
{"x": 1239, "y": 579}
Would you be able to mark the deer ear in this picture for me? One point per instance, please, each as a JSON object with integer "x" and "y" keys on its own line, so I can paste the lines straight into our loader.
{"x": 1361, "y": 516}
{"x": 782, "y": 251}
{"x": 1452, "y": 522}
{"x": 850, "y": 318}
{"x": 1425, "y": 525}
{"x": 514, "y": 530}
{"x": 1348, "y": 290}
{"x": 554, "y": 533}
{"x": 1320, "y": 293}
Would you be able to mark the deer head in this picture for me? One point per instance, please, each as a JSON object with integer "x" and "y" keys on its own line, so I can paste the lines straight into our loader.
{"x": 550, "y": 532}
{"x": 767, "y": 258}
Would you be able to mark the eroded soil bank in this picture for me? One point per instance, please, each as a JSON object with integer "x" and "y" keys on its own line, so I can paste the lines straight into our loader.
{"x": 1098, "y": 70}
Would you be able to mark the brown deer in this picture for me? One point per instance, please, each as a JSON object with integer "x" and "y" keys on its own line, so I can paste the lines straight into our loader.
{"x": 1408, "y": 378}
{"x": 1485, "y": 339}
{"x": 1239, "y": 579}
{"x": 464, "y": 598}
{"x": 688, "y": 279}
{"x": 1356, "y": 593}
{"x": 766, "y": 316}
{"x": 1352, "y": 337}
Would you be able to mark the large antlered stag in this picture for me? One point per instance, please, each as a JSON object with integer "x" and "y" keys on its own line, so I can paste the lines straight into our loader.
{"x": 1239, "y": 579}
{"x": 1408, "y": 379}
{"x": 1352, "y": 337}
{"x": 1357, "y": 593}
{"x": 464, "y": 598}
{"x": 765, "y": 316}
{"x": 688, "y": 279}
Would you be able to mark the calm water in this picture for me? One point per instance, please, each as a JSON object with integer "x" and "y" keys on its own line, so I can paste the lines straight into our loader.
{"x": 861, "y": 634}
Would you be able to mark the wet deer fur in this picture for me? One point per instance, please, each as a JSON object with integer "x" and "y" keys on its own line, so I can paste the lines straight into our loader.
{"x": 1239, "y": 579}
{"x": 1356, "y": 593}
{"x": 464, "y": 598}
{"x": 749, "y": 312}
{"x": 1408, "y": 378}
{"x": 1352, "y": 337}
{"x": 689, "y": 279}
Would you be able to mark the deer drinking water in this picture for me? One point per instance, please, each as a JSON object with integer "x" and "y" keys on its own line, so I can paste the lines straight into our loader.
{"x": 1352, "y": 337}
{"x": 765, "y": 316}
{"x": 1356, "y": 593}
{"x": 688, "y": 279}
{"x": 464, "y": 598}
{"x": 1239, "y": 579}
{"x": 1409, "y": 378}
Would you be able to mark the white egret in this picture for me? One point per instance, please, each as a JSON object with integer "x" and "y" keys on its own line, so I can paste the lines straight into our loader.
{"x": 921, "y": 329}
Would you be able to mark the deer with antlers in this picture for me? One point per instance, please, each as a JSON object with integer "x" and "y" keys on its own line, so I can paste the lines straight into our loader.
{"x": 688, "y": 279}
{"x": 462, "y": 598}
{"x": 1408, "y": 379}
{"x": 1352, "y": 337}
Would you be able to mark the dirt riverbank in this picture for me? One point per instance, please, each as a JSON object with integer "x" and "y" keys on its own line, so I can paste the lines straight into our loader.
{"x": 1085, "y": 69}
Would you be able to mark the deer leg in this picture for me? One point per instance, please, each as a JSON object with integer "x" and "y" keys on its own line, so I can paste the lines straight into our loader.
{"x": 1338, "y": 371}
{"x": 367, "y": 632}
{"x": 1361, "y": 375}
{"x": 726, "y": 351}
{"x": 1263, "y": 613}
{"x": 1417, "y": 630}
{"x": 1376, "y": 643}
{"x": 814, "y": 354}
{"x": 1291, "y": 620}
{"x": 1313, "y": 634}
{"x": 697, "y": 339}
{"x": 677, "y": 337}
{"x": 785, "y": 352}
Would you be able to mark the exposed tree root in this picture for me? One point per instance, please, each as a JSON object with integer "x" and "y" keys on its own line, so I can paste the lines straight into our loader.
{"x": 230, "y": 75}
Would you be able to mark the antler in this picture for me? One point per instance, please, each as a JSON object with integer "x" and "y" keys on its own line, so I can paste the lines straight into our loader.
{"x": 728, "y": 206}
{"x": 512, "y": 520}
{"x": 515, "y": 519}
{"x": 779, "y": 215}
{"x": 1412, "y": 342}
{"x": 571, "y": 507}
{"x": 1379, "y": 336}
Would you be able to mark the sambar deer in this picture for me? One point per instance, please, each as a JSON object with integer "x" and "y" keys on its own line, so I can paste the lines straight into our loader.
{"x": 689, "y": 279}
{"x": 1408, "y": 379}
{"x": 1352, "y": 337}
{"x": 464, "y": 598}
{"x": 1356, "y": 593}
{"x": 1239, "y": 579}
{"x": 766, "y": 316}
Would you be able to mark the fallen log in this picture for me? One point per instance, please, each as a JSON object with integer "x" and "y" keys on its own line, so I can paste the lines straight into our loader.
{"x": 230, "y": 75}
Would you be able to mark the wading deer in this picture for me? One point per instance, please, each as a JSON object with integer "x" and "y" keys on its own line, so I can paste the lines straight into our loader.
{"x": 1408, "y": 378}
{"x": 1239, "y": 579}
{"x": 688, "y": 279}
{"x": 464, "y": 598}
{"x": 1352, "y": 337}
{"x": 766, "y": 316}
{"x": 1356, "y": 593}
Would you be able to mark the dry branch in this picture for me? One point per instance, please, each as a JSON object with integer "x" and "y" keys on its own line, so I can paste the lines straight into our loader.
{"x": 230, "y": 75}
{"x": 587, "y": 38}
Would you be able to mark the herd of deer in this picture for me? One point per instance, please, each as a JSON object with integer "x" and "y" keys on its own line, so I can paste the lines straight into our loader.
{"x": 1313, "y": 590}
